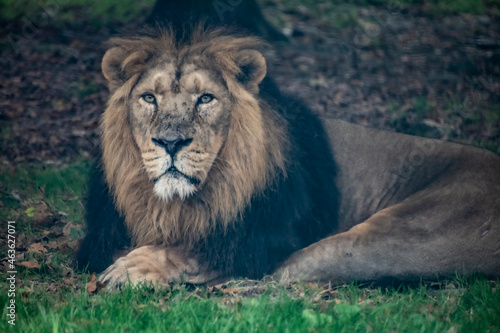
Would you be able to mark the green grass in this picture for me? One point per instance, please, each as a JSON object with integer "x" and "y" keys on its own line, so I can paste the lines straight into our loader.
{"x": 29, "y": 192}
{"x": 467, "y": 306}
{"x": 53, "y": 298}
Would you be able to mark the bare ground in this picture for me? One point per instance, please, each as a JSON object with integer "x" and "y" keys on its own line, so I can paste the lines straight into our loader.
{"x": 407, "y": 71}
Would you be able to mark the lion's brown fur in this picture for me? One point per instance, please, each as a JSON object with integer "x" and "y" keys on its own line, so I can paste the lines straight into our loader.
{"x": 254, "y": 151}
{"x": 271, "y": 193}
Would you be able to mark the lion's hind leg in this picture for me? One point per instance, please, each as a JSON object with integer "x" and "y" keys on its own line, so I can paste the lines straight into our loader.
{"x": 424, "y": 236}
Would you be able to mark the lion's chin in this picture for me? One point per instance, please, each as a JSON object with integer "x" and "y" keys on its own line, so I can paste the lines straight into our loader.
{"x": 169, "y": 186}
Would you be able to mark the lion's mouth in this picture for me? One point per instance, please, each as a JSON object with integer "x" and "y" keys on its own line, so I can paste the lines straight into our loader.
{"x": 173, "y": 171}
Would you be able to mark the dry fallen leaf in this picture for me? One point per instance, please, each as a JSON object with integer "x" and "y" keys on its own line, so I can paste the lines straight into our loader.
{"x": 231, "y": 291}
{"x": 53, "y": 245}
{"x": 218, "y": 287}
{"x": 72, "y": 230}
{"x": 22, "y": 241}
{"x": 30, "y": 264}
{"x": 37, "y": 248}
{"x": 93, "y": 286}
{"x": 26, "y": 290}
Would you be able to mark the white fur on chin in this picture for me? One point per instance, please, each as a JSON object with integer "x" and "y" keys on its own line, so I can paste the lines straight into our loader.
{"x": 169, "y": 185}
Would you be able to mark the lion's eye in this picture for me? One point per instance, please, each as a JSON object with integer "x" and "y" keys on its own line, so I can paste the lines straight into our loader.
{"x": 148, "y": 98}
{"x": 205, "y": 98}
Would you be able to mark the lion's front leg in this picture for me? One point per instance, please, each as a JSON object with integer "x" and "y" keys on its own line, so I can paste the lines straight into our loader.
{"x": 159, "y": 265}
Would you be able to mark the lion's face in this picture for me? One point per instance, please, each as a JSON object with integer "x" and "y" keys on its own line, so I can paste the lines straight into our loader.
{"x": 187, "y": 139}
{"x": 179, "y": 117}
{"x": 186, "y": 127}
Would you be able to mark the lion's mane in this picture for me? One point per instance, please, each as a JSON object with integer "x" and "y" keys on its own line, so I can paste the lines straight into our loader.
{"x": 266, "y": 194}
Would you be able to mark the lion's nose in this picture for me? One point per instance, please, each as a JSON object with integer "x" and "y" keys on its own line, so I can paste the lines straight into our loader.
{"x": 172, "y": 142}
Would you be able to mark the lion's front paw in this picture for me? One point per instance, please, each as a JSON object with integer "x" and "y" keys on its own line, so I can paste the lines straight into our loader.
{"x": 144, "y": 264}
{"x": 157, "y": 265}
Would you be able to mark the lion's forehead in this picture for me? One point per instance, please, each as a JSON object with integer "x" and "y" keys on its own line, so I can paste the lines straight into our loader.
{"x": 177, "y": 89}
{"x": 169, "y": 77}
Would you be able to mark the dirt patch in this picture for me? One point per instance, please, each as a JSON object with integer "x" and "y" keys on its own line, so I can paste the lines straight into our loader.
{"x": 404, "y": 71}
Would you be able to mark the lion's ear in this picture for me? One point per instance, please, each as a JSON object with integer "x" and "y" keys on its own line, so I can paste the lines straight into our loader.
{"x": 119, "y": 64}
{"x": 253, "y": 69}
{"x": 112, "y": 69}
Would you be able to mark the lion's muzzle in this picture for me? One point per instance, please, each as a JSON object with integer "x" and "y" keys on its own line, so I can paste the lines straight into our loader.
{"x": 175, "y": 173}
{"x": 172, "y": 142}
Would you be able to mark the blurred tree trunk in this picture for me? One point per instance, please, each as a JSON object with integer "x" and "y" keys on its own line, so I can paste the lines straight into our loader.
{"x": 241, "y": 14}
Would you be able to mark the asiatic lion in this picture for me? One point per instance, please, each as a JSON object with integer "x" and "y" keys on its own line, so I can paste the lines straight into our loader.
{"x": 211, "y": 173}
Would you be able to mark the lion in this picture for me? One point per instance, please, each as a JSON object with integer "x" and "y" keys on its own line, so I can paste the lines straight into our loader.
{"x": 209, "y": 172}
